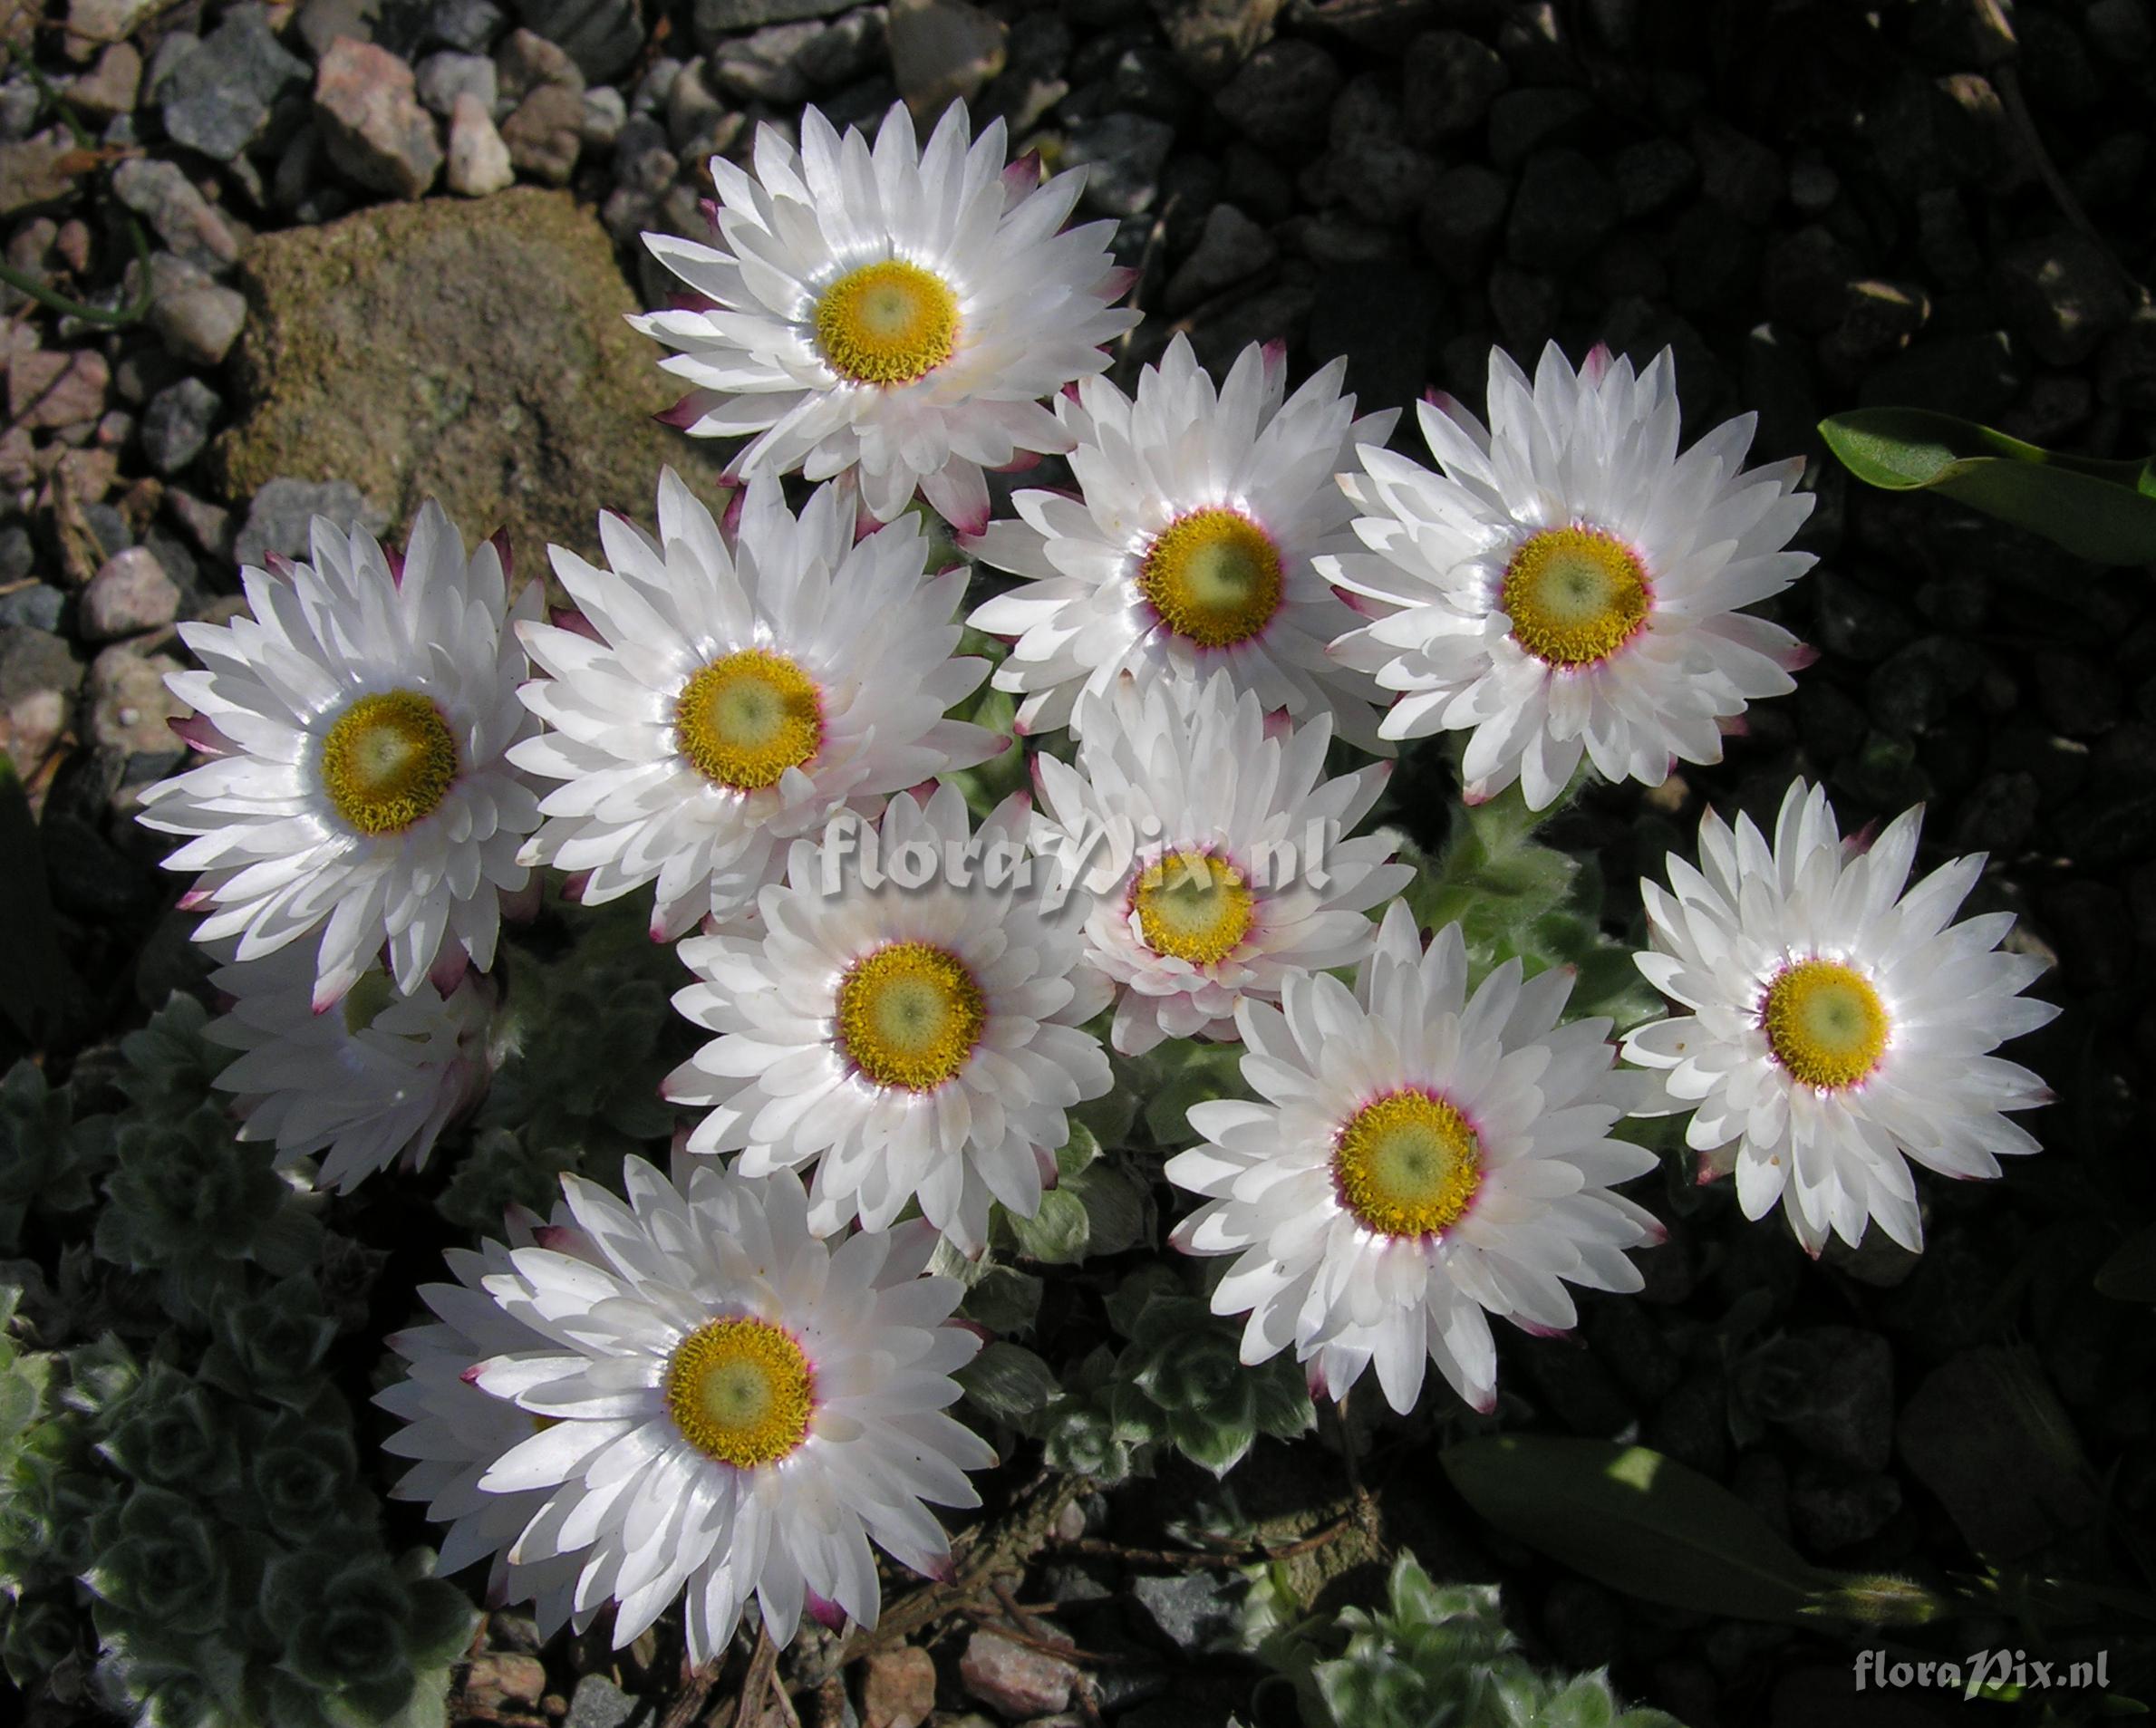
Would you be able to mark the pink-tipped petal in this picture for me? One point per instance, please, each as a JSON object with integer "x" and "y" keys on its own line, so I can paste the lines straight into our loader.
{"x": 689, "y": 300}
{"x": 1596, "y": 366}
{"x": 574, "y": 885}
{"x": 193, "y": 899}
{"x": 198, "y": 735}
{"x": 686, "y": 412}
{"x": 394, "y": 557}
{"x": 824, "y": 1612}
{"x": 1799, "y": 657}
{"x": 710, "y": 208}
{"x": 1021, "y": 462}
{"x": 1732, "y": 726}
{"x": 729, "y": 518}
{"x": 448, "y": 969}
{"x": 500, "y": 541}
{"x": 1023, "y": 176}
{"x": 521, "y": 905}
{"x": 569, "y": 619}
{"x": 279, "y": 565}
{"x": 1119, "y": 282}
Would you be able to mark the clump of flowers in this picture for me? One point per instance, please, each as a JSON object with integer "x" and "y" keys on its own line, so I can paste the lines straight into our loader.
{"x": 933, "y": 1043}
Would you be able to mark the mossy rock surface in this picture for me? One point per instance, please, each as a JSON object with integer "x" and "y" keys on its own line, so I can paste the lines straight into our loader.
{"x": 473, "y": 352}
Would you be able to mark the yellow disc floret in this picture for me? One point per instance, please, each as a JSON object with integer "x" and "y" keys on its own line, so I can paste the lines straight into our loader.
{"x": 1408, "y": 1164}
{"x": 741, "y": 1392}
{"x": 1213, "y": 576}
{"x": 1192, "y": 906}
{"x": 886, "y": 324}
{"x": 388, "y": 761}
{"x": 1824, "y": 1023}
{"x": 746, "y": 718}
{"x": 1575, "y": 596}
{"x": 909, "y": 1016}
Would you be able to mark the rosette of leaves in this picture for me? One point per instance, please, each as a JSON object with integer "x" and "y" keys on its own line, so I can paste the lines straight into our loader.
{"x": 168, "y": 1065}
{"x": 1438, "y": 1656}
{"x": 188, "y": 1201}
{"x": 53, "y": 1496}
{"x": 1514, "y": 896}
{"x": 581, "y": 1043}
{"x": 1099, "y": 1205}
{"x": 49, "y": 1162}
{"x": 1178, "y": 1381}
{"x": 198, "y": 1525}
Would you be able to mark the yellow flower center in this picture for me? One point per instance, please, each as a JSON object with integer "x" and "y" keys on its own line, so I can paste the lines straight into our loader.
{"x": 1407, "y": 1166}
{"x": 910, "y": 1015}
{"x": 1824, "y": 1023}
{"x": 740, "y": 1391}
{"x": 1192, "y": 907}
{"x": 746, "y": 718}
{"x": 388, "y": 761}
{"x": 1575, "y": 595}
{"x": 1213, "y": 576}
{"x": 886, "y": 324}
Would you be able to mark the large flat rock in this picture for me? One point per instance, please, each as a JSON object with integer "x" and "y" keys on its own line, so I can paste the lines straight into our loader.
{"x": 472, "y": 352}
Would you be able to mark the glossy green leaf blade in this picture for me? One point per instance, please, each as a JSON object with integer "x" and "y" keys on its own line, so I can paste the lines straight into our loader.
{"x": 1631, "y": 1518}
{"x": 2102, "y": 511}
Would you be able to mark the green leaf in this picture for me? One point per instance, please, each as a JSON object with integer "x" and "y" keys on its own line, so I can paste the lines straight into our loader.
{"x": 1210, "y": 1439}
{"x": 1116, "y": 1209}
{"x": 1138, "y": 1292}
{"x": 1057, "y": 1233}
{"x": 2129, "y": 1275}
{"x": 1631, "y": 1518}
{"x": 33, "y": 974}
{"x": 2102, "y": 511}
{"x": 1008, "y": 1382}
{"x": 1207, "y": 1071}
{"x": 1076, "y": 1153}
{"x": 1004, "y": 1300}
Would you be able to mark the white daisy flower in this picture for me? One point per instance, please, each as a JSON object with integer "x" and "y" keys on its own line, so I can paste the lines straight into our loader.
{"x": 1214, "y": 848}
{"x": 900, "y": 312}
{"x": 361, "y": 719}
{"x": 1569, "y": 583}
{"x": 738, "y": 1408}
{"x": 1193, "y": 545}
{"x": 1422, "y": 1160}
{"x": 1838, "y": 1026}
{"x": 728, "y": 698}
{"x": 453, "y": 1432}
{"x": 910, "y": 1025}
{"x": 378, "y": 1077}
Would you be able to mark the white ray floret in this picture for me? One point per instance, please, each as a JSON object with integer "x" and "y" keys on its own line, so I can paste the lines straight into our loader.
{"x": 1196, "y": 544}
{"x": 912, "y": 1025}
{"x": 898, "y": 313}
{"x": 361, "y": 719}
{"x": 1568, "y": 583}
{"x": 453, "y": 1432}
{"x": 734, "y": 1408}
{"x": 725, "y": 696}
{"x": 1420, "y": 1160}
{"x": 1216, "y": 851}
{"x": 1838, "y": 1026}
{"x": 374, "y": 1079}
